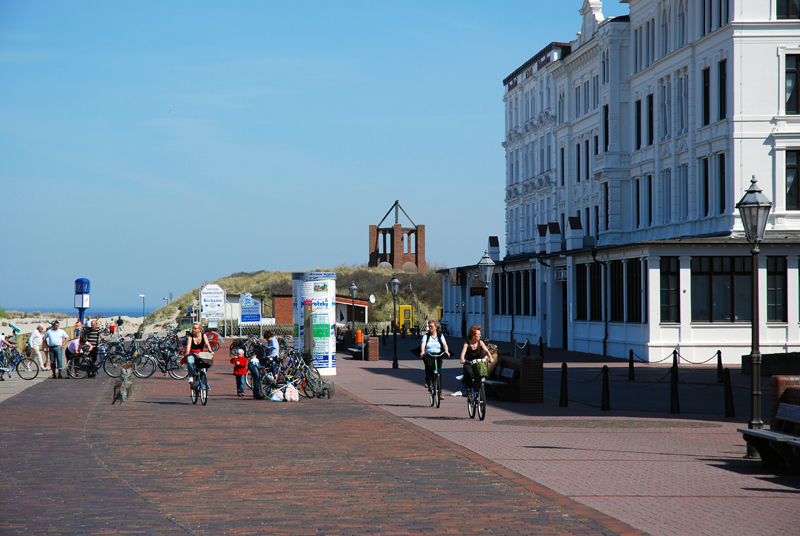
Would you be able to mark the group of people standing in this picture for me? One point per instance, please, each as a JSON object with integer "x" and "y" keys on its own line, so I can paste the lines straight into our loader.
{"x": 48, "y": 348}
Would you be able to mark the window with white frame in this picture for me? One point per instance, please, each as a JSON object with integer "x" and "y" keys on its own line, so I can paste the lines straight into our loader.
{"x": 586, "y": 99}
{"x": 665, "y": 14}
{"x": 683, "y": 192}
{"x": 788, "y": 9}
{"x": 682, "y": 23}
{"x": 666, "y": 195}
{"x": 596, "y": 92}
{"x": 577, "y": 102}
{"x": 792, "y": 79}
{"x": 666, "y": 109}
{"x": 603, "y": 62}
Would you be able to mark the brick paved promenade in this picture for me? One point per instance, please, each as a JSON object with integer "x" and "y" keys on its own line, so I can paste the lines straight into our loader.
{"x": 660, "y": 473}
{"x": 75, "y": 464}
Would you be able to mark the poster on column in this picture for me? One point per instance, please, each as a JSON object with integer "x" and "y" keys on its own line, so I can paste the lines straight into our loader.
{"x": 318, "y": 288}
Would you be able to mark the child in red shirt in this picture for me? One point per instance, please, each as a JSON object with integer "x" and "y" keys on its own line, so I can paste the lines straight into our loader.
{"x": 239, "y": 370}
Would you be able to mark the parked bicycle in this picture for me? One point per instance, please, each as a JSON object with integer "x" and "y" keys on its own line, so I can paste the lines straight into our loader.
{"x": 26, "y": 368}
{"x": 145, "y": 365}
{"x": 80, "y": 366}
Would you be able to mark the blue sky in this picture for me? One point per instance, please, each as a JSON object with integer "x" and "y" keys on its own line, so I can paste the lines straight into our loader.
{"x": 151, "y": 146}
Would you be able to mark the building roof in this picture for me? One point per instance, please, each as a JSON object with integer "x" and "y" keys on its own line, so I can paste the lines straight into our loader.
{"x": 565, "y": 47}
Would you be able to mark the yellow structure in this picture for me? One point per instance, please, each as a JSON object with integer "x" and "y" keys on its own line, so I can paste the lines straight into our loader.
{"x": 405, "y": 316}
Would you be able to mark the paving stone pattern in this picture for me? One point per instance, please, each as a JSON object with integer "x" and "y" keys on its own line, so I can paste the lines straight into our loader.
{"x": 159, "y": 465}
{"x": 667, "y": 475}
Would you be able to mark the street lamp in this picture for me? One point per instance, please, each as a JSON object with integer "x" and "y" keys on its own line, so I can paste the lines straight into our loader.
{"x": 142, "y": 297}
{"x": 394, "y": 285}
{"x": 353, "y": 290}
{"x": 485, "y": 271}
{"x": 754, "y": 209}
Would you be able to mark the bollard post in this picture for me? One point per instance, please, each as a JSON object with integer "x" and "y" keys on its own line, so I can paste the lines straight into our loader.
{"x": 675, "y": 362}
{"x": 563, "y": 397}
{"x": 729, "y": 409}
{"x": 527, "y": 348}
{"x": 514, "y": 348}
{"x": 674, "y": 403}
{"x": 719, "y": 367}
{"x": 541, "y": 348}
{"x": 384, "y": 337}
{"x": 630, "y": 366}
{"x": 605, "y": 399}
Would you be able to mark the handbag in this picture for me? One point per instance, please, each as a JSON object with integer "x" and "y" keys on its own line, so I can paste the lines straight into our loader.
{"x": 417, "y": 351}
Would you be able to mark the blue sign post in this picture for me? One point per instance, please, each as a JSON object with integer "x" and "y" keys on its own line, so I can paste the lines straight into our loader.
{"x": 250, "y": 309}
{"x": 81, "y": 297}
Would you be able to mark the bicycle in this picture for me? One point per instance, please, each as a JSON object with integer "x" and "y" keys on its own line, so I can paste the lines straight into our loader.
{"x": 199, "y": 387}
{"x": 145, "y": 365}
{"x": 476, "y": 397}
{"x": 26, "y": 368}
{"x": 80, "y": 366}
{"x": 435, "y": 385}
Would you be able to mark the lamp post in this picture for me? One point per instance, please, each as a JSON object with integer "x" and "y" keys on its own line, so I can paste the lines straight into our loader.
{"x": 353, "y": 289}
{"x": 142, "y": 297}
{"x": 485, "y": 271}
{"x": 754, "y": 208}
{"x": 394, "y": 285}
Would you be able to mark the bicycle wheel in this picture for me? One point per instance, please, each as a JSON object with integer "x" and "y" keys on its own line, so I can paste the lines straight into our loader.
{"x": 177, "y": 370}
{"x": 144, "y": 366}
{"x": 481, "y": 403}
{"x": 437, "y": 387}
{"x": 113, "y": 364}
{"x": 193, "y": 393}
{"x": 312, "y": 383}
{"x": 430, "y": 393}
{"x": 214, "y": 346}
{"x": 248, "y": 379}
{"x": 115, "y": 348}
{"x": 27, "y": 369}
{"x": 203, "y": 390}
{"x": 471, "y": 406}
{"x": 77, "y": 367}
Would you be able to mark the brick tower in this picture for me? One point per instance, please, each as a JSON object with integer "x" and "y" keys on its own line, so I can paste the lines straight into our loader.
{"x": 399, "y": 246}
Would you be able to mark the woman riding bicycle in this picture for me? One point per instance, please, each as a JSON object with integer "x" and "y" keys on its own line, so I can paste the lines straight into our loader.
{"x": 434, "y": 346}
{"x": 473, "y": 350}
{"x": 196, "y": 342}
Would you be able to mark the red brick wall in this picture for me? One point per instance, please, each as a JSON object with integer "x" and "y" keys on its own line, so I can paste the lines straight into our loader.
{"x": 282, "y": 309}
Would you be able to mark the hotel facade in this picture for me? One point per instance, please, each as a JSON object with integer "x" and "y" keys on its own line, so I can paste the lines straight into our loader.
{"x": 627, "y": 150}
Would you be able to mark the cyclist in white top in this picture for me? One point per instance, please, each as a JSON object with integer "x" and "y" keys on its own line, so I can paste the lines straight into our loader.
{"x": 434, "y": 346}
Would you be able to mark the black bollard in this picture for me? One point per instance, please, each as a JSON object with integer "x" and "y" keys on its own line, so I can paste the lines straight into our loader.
{"x": 384, "y": 337}
{"x": 527, "y": 348}
{"x": 720, "y": 379}
{"x": 563, "y": 398}
{"x": 675, "y": 363}
{"x": 630, "y": 366}
{"x": 605, "y": 402}
{"x": 674, "y": 403}
{"x": 514, "y": 348}
{"x": 541, "y": 348}
{"x": 403, "y": 332}
{"x": 729, "y": 410}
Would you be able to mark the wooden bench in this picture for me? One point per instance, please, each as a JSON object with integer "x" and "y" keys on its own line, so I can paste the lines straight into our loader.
{"x": 357, "y": 351}
{"x": 781, "y": 445}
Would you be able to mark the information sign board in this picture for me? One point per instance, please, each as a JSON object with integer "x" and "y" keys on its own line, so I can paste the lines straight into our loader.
{"x": 250, "y": 309}
{"x": 212, "y": 301}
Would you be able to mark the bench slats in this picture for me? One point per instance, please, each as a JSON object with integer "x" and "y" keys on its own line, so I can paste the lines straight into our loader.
{"x": 788, "y": 412}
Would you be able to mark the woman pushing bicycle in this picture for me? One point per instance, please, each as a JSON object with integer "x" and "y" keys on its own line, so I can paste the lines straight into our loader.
{"x": 432, "y": 350}
{"x": 196, "y": 342}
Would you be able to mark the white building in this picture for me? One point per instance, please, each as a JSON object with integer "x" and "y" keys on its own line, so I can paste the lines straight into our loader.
{"x": 627, "y": 150}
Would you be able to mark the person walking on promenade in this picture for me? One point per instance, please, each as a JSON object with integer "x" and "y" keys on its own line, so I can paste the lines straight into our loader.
{"x": 239, "y": 371}
{"x": 433, "y": 346}
{"x": 55, "y": 338}
{"x": 474, "y": 348}
{"x": 35, "y": 344}
{"x": 120, "y": 321}
{"x": 196, "y": 342}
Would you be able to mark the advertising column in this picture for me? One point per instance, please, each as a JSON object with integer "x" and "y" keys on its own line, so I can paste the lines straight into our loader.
{"x": 319, "y": 289}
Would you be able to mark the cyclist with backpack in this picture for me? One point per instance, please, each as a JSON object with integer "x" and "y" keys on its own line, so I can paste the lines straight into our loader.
{"x": 434, "y": 346}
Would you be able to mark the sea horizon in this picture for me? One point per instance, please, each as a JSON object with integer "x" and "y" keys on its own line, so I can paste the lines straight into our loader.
{"x": 104, "y": 312}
